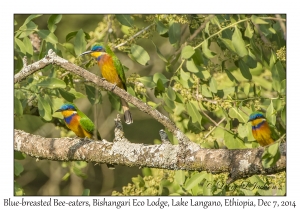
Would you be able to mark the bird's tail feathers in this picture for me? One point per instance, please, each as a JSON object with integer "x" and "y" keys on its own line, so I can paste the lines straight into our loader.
{"x": 127, "y": 115}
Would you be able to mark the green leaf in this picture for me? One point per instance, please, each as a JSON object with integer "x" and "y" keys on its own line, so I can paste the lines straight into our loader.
{"x": 52, "y": 83}
{"x": 21, "y": 45}
{"x": 26, "y": 30}
{"x": 190, "y": 65}
{"x": 244, "y": 68}
{"x": 160, "y": 55}
{"x": 236, "y": 113}
{"x": 180, "y": 177}
{"x": 48, "y": 36}
{"x": 238, "y": 43}
{"x": 44, "y": 108}
{"x": 72, "y": 34}
{"x": 19, "y": 155}
{"x": 250, "y": 61}
{"x": 171, "y": 94}
{"x": 243, "y": 130}
{"x": 66, "y": 95}
{"x": 147, "y": 81}
{"x": 205, "y": 91}
{"x": 31, "y": 17}
{"x": 86, "y": 192}
{"x": 91, "y": 94}
{"x": 195, "y": 180}
{"x": 271, "y": 155}
{"x": 213, "y": 85}
{"x": 18, "y": 168}
{"x": 140, "y": 54}
{"x": 273, "y": 59}
{"x": 228, "y": 43}
{"x": 207, "y": 52}
{"x": 161, "y": 28}
{"x": 246, "y": 88}
{"x": 193, "y": 112}
{"x": 76, "y": 94}
{"x": 174, "y": 33}
{"x": 227, "y": 34}
{"x": 187, "y": 52}
{"x": 28, "y": 45}
{"x": 79, "y": 43}
{"x": 249, "y": 31}
{"x": 18, "y": 108}
{"x": 157, "y": 76}
{"x": 184, "y": 75}
{"x": 193, "y": 127}
{"x": 278, "y": 75}
{"x": 170, "y": 103}
{"x": 283, "y": 115}
{"x": 53, "y": 19}
{"x": 208, "y": 188}
{"x": 160, "y": 88}
{"x": 125, "y": 20}
{"x": 230, "y": 76}
{"x": 270, "y": 114}
{"x": 257, "y": 20}
{"x": 231, "y": 141}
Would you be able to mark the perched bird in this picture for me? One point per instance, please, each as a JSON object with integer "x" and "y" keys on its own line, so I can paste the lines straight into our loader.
{"x": 260, "y": 129}
{"x": 79, "y": 123}
{"x": 112, "y": 70}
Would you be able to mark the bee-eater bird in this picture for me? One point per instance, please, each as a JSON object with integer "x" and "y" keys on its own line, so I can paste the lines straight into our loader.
{"x": 112, "y": 70}
{"x": 79, "y": 123}
{"x": 260, "y": 129}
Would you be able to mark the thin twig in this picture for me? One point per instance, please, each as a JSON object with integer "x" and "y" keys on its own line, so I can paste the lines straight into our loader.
{"x": 214, "y": 128}
{"x": 192, "y": 36}
{"x": 135, "y": 35}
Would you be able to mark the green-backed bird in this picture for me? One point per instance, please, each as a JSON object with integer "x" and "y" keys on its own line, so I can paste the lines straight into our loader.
{"x": 79, "y": 123}
{"x": 112, "y": 70}
{"x": 260, "y": 129}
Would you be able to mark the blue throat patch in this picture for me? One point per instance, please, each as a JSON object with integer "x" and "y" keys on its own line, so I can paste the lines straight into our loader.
{"x": 99, "y": 58}
{"x": 254, "y": 127}
{"x": 68, "y": 119}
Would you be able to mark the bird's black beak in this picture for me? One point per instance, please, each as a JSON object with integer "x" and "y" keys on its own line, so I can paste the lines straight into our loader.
{"x": 87, "y": 52}
{"x": 59, "y": 110}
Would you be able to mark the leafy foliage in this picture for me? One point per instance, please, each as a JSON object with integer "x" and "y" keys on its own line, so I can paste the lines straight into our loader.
{"x": 209, "y": 81}
{"x": 164, "y": 182}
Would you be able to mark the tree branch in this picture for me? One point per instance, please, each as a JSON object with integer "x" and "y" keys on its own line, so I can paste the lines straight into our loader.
{"x": 239, "y": 163}
{"x": 52, "y": 58}
{"x": 186, "y": 156}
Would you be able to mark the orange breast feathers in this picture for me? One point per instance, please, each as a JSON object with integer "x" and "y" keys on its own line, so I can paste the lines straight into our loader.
{"x": 72, "y": 120}
{"x": 261, "y": 132}
{"x": 108, "y": 70}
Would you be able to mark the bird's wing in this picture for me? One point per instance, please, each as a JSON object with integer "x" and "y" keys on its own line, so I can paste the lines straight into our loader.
{"x": 119, "y": 68}
{"x": 87, "y": 125}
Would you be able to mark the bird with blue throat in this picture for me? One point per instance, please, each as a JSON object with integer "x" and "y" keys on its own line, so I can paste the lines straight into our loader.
{"x": 260, "y": 129}
{"x": 111, "y": 70}
{"x": 79, "y": 123}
